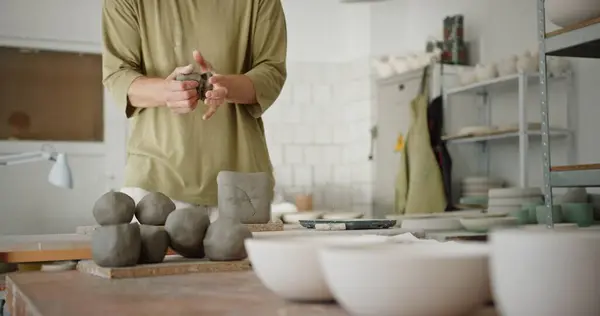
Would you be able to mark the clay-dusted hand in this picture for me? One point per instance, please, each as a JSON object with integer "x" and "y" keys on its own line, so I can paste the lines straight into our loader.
{"x": 218, "y": 95}
{"x": 181, "y": 96}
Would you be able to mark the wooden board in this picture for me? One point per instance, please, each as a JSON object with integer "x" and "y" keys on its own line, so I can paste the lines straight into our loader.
{"x": 41, "y": 248}
{"x": 576, "y": 167}
{"x": 172, "y": 265}
{"x": 573, "y": 27}
{"x": 268, "y": 227}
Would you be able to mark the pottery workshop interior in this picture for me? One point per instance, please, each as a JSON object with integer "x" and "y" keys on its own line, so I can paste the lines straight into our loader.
{"x": 300, "y": 157}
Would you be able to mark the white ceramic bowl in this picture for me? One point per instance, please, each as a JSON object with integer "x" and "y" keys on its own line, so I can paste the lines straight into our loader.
{"x": 566, "y": 13}
{"x": 432, "y": 224}
{"x": 487, "y": 223}
{"x": 441, "y": 279}
{"x": 290, "y": 267}
{"x": 296, "y": 217}
{"x": 343, "y": 215}
{"x": 546, "y": 272}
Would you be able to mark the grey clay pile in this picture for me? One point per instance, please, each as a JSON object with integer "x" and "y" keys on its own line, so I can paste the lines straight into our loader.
{"x": 244, "y": 198}
{"x": 120, "y": 243}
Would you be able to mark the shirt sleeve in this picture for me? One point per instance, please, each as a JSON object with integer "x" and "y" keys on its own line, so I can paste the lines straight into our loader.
{"x": 121, "y": 51}
{"x": 269, "y": 49}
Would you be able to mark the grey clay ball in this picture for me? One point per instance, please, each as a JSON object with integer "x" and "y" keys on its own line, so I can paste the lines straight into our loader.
{"x": 154, "y": 208}
{"x": 116, "y": 245}
{"x": 155, "y": 244}
{"x": 186, "y": 228}
{"x": 114, "y": 208}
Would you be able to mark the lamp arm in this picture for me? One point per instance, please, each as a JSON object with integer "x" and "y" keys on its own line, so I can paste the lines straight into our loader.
{"x": 25, "y": 158}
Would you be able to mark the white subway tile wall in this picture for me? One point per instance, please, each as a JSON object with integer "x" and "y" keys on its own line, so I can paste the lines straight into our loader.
{"x": 318, "y": 133}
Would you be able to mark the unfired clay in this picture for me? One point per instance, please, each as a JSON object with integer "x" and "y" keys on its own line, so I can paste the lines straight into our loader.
{"x": 186, "y": 228}
{"x": 249, "y": 194}
{"x": 114, "y": 208}
{"x": 155, "y": 243}
{"x": 224, "y": 239}
{"x": 116, "y": 245}
{"x": 154, "y": 208}
{"x": 202, "y": 79}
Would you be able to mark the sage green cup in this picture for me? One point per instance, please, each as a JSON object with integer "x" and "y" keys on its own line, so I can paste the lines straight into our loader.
{"x": 581, "y": 214}
{"x": 531, "y": 210}
{"x": 542, "y": 214}
{"x": 522, "y": 216}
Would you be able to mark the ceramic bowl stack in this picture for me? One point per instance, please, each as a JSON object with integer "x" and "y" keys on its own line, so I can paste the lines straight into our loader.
{"x": 475, "y": 189}
{"x": 375, "y": 275}
{"x": 507, "y": 200}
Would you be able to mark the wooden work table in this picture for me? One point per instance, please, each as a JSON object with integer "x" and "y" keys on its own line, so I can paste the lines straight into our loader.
{"x": 207, "y": 294}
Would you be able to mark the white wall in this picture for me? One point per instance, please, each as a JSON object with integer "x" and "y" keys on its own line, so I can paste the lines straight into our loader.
{"x": 329, "y": 43}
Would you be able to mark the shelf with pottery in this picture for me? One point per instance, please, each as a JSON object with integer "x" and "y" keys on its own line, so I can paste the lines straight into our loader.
{"x": 503, "y": 133}
{"x": 514, "y": 72}
{"x": 579, "y": 37}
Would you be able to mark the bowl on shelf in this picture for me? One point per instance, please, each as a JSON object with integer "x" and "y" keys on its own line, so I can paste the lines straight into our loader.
{"x": 581, "y": 214}
{"x": 405, "y": 279}
{"x": 559, "y": 266}
{"x": 567, "y": 13}
{"x": 289, "y": 266}
{"x": 542, "y": 213}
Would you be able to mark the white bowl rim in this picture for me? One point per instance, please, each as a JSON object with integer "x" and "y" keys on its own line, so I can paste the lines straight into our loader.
{"x": 488, "y": 219}
{"x": 407, "y": 251}
{"x": 315, "y": 240}
{"x": 547, "y": 233}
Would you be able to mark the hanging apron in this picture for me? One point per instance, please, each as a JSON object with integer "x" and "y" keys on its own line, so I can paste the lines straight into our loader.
{"x": 419, "y": 185}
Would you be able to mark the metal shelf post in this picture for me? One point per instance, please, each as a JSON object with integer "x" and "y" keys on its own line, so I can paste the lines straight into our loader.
{"x": 546, "y": 163}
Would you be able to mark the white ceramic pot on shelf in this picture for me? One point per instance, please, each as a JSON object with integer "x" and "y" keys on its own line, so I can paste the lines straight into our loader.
{"x": 399, "y": 64}
{"x": 527, "y": 63}
{"x": 382, "y": 67}
{"x": 565, "y": 13}
{"x": 558, "y": 66}
{"x": 467, "y": 76}
{"x": 508, "y": 66}
{"x": 486, "y": 72}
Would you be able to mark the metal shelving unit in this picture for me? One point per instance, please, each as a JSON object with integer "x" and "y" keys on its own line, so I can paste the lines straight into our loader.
{"x": 582, "y": 41}
{"x": 522, "y": 82}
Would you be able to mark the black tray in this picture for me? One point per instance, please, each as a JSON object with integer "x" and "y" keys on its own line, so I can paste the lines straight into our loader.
{"x": 348, "y": 224}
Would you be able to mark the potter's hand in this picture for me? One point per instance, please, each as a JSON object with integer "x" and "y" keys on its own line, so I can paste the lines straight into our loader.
{"x": 218, "y": 94}
{"x": 180, "y": 96}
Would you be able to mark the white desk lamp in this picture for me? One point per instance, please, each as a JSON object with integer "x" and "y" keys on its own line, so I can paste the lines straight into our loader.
{"x": 60, "y": 174}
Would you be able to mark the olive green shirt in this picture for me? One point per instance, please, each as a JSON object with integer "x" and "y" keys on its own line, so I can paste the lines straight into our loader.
{"x": 181, "y": 155}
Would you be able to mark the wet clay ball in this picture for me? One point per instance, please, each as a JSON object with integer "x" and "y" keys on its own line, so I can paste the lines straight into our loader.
{"x": 154, "y": 208}
{"x": 114, "y": 208}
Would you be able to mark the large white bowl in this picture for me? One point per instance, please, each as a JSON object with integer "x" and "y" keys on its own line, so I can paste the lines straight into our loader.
{"x": 289, "y": 266}
{"x": 442, "y": 279}
{"x": 546, "y": 272}
{"x": 565, "y": 13}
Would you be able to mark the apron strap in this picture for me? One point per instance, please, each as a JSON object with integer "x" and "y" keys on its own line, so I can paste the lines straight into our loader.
{"x": 424, "y": 88}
